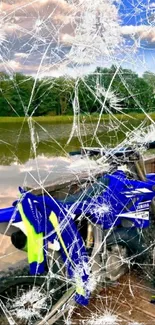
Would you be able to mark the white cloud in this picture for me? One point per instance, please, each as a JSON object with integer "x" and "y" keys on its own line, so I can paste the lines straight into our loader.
{"x": 14, "y": 65}
{"x": 21, "y": 55}
{"x": 34, "y": 24}
{"x": 144, "y": 32}
{"x": 152, "y": 5}
{"x": 24, "y": 16}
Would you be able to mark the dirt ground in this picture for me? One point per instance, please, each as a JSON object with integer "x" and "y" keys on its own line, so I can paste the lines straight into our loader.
{"x": 125, "y": 302}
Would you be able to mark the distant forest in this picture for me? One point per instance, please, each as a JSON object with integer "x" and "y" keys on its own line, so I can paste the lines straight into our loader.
{"x": 106, "y": 89}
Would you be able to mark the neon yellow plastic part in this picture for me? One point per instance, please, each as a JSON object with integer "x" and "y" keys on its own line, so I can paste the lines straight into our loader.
{"x": 34, "y": 240}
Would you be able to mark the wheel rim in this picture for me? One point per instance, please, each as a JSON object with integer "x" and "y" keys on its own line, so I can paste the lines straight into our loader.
{"x": 26, "y": 303}
{"x": 34, "y": 300}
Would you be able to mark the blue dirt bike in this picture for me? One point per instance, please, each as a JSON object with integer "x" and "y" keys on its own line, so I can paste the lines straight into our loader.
{"x": 75, "y": 244}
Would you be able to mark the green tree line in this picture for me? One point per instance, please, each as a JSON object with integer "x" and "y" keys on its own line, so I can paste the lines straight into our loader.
{"x": 106, "y": 89}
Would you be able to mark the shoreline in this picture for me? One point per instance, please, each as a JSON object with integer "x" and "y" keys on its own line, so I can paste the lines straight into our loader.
{"x": 69, "y": 118}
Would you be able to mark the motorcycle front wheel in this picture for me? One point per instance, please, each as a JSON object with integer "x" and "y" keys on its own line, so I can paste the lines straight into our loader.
{"x": 34, "y": 300}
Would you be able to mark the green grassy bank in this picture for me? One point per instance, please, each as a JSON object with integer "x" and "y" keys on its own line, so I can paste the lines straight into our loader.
{"x": 69, "y": 119}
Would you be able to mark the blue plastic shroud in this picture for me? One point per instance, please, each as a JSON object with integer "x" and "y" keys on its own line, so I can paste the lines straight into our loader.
{"x": 8, "y": 214}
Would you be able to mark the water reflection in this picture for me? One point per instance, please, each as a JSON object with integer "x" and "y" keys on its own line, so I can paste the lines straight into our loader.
{"x": 42, "y": 170}
{"x": 51, "y": 140}
{"x": 20, "y": 167}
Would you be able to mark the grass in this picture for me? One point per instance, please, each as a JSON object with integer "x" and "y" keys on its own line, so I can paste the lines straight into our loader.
{"x": 65, "y": 119}
{"x": 40, "y": 119}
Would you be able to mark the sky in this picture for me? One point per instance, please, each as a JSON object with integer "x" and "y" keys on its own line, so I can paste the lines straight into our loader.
{"x": 138, "y": 26}
{"x": 72, "y": 37}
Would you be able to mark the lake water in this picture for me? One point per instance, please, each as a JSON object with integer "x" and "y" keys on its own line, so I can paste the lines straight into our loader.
{"x": 19, "y": 166}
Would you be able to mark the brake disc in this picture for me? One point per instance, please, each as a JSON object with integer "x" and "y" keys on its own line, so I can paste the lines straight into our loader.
{"x": 116, "y": 263}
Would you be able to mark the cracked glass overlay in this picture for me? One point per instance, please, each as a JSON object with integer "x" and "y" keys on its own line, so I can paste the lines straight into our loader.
{"x": 74, "y": 40}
